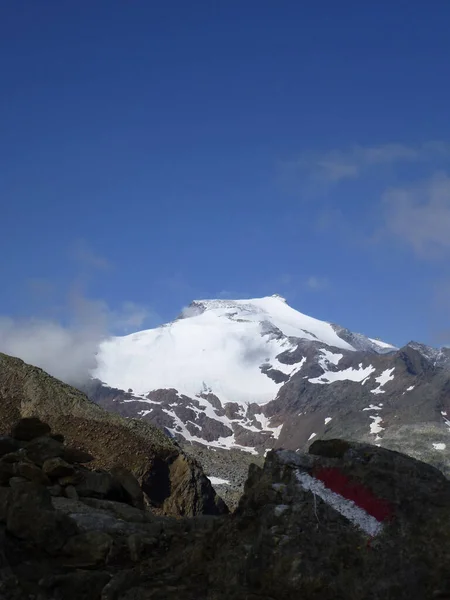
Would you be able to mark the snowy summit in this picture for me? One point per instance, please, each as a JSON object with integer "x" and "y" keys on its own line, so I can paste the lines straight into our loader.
{"x": 215, "y": 346}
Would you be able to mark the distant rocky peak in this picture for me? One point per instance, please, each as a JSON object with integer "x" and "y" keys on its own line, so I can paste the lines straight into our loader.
{"x": 436, "y": 356}
{"x": 279, "y": 297}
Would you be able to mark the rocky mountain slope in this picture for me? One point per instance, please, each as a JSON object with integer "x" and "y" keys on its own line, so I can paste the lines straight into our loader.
{"x": 183, "y": 489}
{"x": 347, "y": 521}
{"x": 256, "y": 374}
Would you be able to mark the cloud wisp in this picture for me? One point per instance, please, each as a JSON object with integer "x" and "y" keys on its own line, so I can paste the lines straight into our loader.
{"x": 64, "y": 342}
{"x": 67, "y": 350}
{"x": 419, "y": 216}
{"x": 338, "y": 165}
{"x": 316, "y": 284}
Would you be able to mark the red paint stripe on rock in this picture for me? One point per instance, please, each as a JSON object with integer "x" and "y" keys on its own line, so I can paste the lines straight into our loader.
{"x": 362, "y": 496}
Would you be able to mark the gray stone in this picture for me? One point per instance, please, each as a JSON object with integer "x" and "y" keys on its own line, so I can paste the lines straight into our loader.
{"x": 91, "y": 548}
{"x": 31, "y": 472}
{"x": 330, "y": 448}
{"x": 135, "y": 546}
{"x": 57, "y": 467}
{"x": 121, "y": 510}
{"x": 119, "y": 583}
{"x": 71, "y": 492}
{"x": 41, "y": 449}
{"x": 17, "y": 481}
{"x": 13, "y": 457}
{"x": 74, "y": 479}
{"x": 109, "y": 519}
{"x": 96, "y": 484}
{"x": 130, "y": 485}
{"x": 80, "y": 585}
{"x": 55, "y": 489}
{"x": 8, "y": 445}
{"x": 7, "y": 470}
{"x": 74, "y": 455}
{"x": 28, "y": 428}
{"x": 5, "y": 494}
{"x": 31, "y": 517}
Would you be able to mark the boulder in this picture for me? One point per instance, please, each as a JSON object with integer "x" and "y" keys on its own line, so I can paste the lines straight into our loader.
{"x": 79, "y": 585}
{"x": 74, "y": 455}
{"x": 74, "y": 479}
{"x": 355, "y": 521}
{"x": 4, "y": 502}
{"x": 129, "y": 485}
{"x": 7, "y": 470}
{"x": 41, "y": 449}
{"x": 31, "y": 517}
{"x": 71, "y": 492}
{"x": 55, "y": 489}
{"x": 96, "y": 484}
{"x": 14, "y": 457}
{"x": 101, "y": 515}
{"x": 180, "y": 487}
{"x": 17, "y": 481}
{"x": 90, "y": 548}
{"x": 57, "y": 467}
{"x": 8, "y": 445}
{"x": 31, "y": 472}
{"x": 28, "y": 428}
{"x": 330, "y": 448}
{"x": 121, "y": 510}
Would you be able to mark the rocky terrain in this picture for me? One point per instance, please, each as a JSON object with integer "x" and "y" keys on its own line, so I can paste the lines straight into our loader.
{"x": 254, "y": 375}
{"x": 347, "y": 521}
{"x": 182, "y": 488}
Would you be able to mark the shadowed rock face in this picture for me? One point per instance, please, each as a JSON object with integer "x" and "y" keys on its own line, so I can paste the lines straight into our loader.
{"x": 348, "y": 521}
{"x": 27, "y": 391}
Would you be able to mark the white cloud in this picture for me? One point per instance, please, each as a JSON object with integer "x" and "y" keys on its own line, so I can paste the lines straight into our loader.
{"x": 65, "y": 340}
{"x": 337, "y": 165}
{"x": 67, "y": 349}
{"x": 85, "y": 255}
{"x": 131, "y": 316}
{"x": 419, "y": 215}
{"x": 316, "y": 284}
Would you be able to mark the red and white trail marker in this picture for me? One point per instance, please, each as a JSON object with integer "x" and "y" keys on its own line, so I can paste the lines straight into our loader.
{"x": 352, "y": 500}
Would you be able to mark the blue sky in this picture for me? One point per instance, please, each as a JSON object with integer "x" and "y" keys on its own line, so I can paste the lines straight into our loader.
{"x": 156, "y": 152}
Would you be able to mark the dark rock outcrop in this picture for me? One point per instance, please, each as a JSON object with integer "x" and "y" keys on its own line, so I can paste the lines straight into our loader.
{"x": 347, "y": 521}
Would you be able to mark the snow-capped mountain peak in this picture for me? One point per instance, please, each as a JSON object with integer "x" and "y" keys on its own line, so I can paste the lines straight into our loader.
{"x": 255, "y": 373}
{"x": 226, "y": 345}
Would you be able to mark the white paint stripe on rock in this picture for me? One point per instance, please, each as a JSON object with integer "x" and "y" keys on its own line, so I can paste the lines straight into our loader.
{"x": 347, "y": 508}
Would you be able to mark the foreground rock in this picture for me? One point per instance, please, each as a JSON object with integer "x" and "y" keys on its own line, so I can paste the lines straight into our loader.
{"x": 90, "y": 431}
{"x": 347, "y": 521}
